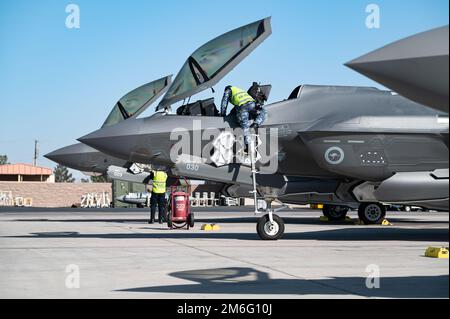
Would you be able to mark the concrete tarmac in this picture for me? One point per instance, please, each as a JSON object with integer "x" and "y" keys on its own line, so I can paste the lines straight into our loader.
{"x": 74, "y": 253}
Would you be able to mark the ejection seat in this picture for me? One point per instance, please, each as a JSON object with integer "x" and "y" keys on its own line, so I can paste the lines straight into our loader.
{"x": 199, "y": 108}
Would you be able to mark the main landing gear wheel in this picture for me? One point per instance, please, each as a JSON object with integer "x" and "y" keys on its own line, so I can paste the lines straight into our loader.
{"x": 335, "y": 212}
{"x": 371, "y": 213}
{"x": 268, "y": 230}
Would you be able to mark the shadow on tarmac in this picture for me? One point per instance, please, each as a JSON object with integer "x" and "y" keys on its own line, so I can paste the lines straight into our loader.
{"x": 249, "y": 281}
{"x": 118, "y": 211}
{"x": 230, "y": 220}
{"x": 345, "y": 234}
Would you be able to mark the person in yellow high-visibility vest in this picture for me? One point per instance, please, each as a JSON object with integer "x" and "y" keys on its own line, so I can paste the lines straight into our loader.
{"x": 246, "y": 106}
{"x": 158, "y": 198}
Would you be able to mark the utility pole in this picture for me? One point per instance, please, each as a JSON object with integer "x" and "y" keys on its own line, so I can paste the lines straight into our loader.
{"x": 36, "y": 152}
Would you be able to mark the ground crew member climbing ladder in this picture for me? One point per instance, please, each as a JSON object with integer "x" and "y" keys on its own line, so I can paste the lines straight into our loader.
{"x": 245, "y": 106}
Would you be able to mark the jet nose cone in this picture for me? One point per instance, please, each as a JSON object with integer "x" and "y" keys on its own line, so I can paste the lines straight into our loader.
{"x": 74, "y": 156}
{"x": 94, "y": 139}
{"x": 147, "y": 140}
{"x": 53, "y": 156}
{"x": 117, "y": 140}
{"x": 415, "y": 67}
{"x": 374, "y": 63}
{"x": 64, "y": 154}
{"x": 425, "y": 45}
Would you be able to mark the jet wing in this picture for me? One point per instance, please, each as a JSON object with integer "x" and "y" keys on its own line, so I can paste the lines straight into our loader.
{"x": 137, "y": 101}
{"x": 215, "y": 59}
{"x": 228, "y": 174}
{"x": 236, "y": 174}
{"x": 415, "y": 67}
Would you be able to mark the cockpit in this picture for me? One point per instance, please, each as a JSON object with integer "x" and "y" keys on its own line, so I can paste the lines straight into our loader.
{"x": 207, "y": 107}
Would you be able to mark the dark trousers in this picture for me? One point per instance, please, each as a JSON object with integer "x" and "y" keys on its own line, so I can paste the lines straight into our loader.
{"x": 245, "y": 113}
{"x": 160, "y": 201}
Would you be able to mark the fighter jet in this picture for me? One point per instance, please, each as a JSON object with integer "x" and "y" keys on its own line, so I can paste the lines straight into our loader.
{"x": 351, "y": 146}
{"x": 415, "y": 67}
{"x": 92, "y": 162}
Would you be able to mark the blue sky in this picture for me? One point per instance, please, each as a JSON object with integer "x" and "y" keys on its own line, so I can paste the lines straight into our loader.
{"x": 58, "y": 84}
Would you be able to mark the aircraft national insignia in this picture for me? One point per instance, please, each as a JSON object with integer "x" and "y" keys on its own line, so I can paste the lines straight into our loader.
{"x": 334, "y": 155}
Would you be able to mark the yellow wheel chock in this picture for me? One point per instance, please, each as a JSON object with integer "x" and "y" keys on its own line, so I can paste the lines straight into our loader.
{"x": 210, "y": 227}
{"x": 386, "y": 223}
{"x": 383, "y": 223}
{"x": 437, "y": 252}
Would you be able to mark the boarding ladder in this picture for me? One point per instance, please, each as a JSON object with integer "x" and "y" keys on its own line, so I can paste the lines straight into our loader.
{"x": 253, "y": 159}
{"x": 254, "y": 171}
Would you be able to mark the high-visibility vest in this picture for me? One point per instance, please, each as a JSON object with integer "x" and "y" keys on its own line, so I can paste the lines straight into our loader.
{"x": 159, "y": 182}
{"x": 240, "y": 97}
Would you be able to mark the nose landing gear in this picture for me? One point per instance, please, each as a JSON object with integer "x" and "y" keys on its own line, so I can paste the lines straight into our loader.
{"x": 270, "y": 226}
{"x": 270, "y": 230}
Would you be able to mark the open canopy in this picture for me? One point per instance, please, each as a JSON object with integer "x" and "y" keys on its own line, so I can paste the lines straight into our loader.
{"x": 212, "y": 61}
{"x": 137, "y": 101}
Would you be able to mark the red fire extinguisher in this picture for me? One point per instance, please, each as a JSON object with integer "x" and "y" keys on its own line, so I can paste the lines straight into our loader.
{"x": 179, "y": 213}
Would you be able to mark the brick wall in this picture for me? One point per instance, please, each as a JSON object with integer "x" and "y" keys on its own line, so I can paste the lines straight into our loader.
{"x": 54, "y": 194}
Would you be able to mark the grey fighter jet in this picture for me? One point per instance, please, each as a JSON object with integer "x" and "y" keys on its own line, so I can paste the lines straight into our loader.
{"x": 92, "y": 162}
{"x": 352, "y": 146}
{"x": 415, "y": 67}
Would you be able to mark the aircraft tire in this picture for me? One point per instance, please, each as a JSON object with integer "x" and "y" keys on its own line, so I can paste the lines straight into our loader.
{"x": 335, "y": 212}
{"x": 371, "y": 213}
{"x": 266, "y": 231}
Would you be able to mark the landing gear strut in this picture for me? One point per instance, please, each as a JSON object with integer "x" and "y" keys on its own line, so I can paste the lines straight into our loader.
{"x": 270, "y": 226}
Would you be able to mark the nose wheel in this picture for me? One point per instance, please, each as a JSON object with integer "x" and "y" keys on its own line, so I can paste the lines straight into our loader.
{"x": 270, "y": 230}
